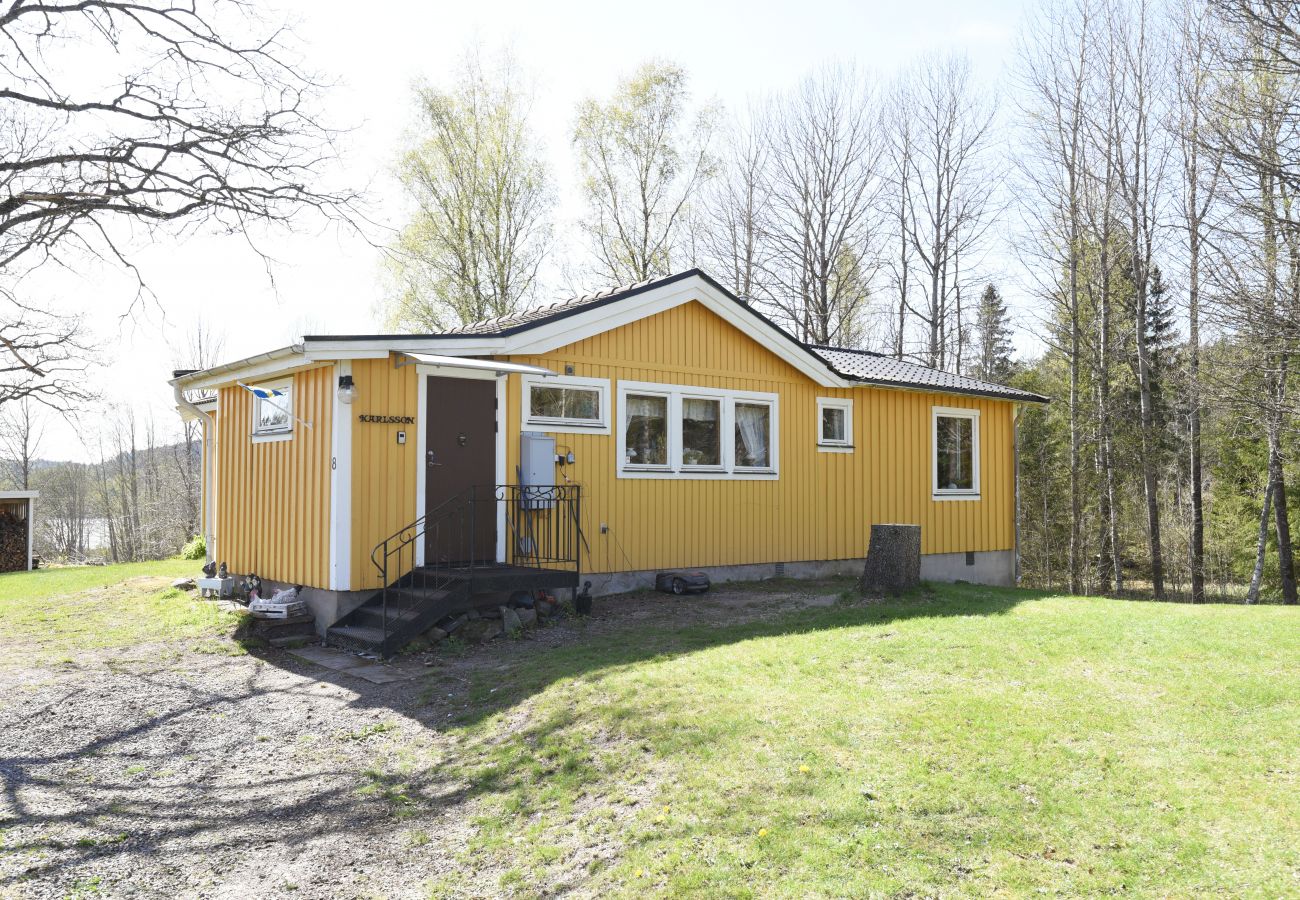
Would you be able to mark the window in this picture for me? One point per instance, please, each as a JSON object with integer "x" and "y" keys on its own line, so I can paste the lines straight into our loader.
{"x": 646, "y": 433}
{"x": 566, "y": 404}
{"x": 273, "y": 414}
{"x": 753, "y": 435}
{"x": 956, "y": 453}
{"x": 701, "y": 432}
{"x": 672, "y": 431}
{"x": 834, "y": 425}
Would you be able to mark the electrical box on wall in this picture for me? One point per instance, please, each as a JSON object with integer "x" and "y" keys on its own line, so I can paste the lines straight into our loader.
{"x": 401, "y": 437}
{"x": 536, "y": 467}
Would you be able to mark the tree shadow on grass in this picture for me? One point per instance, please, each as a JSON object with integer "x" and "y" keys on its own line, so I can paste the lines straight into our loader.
{"x": 83, "y": 765}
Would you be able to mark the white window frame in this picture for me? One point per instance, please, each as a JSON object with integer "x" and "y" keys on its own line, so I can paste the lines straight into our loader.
{"x": 952, "y": 412}
{"x": 564, "y": 425}
{"x": 826, "y": 445}
{"x": 279, "y": 433}
{"x": 675, "y": 469}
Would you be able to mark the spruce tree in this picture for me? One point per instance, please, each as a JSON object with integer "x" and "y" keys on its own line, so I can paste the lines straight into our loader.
{"x": 993, "y": 331}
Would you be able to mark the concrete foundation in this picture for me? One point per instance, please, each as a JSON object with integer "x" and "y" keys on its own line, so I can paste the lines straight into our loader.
{"x": 327, "y": 606}
{"x": 997, "y": 567}
{"x": 994, "y": 567}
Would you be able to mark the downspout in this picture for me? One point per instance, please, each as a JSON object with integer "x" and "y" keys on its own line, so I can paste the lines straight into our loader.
{"x": 204, "y": 447}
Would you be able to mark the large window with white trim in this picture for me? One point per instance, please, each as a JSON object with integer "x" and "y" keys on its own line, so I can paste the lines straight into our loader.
{"x": 566, "y": 403}
{"x": 670, "y": 431}
{"x": 956, "y": 457}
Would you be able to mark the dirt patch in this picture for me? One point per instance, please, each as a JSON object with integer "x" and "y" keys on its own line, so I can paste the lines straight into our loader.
{"x": 164, "y": 771}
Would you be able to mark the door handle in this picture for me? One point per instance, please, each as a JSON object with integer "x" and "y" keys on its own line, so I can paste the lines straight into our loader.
{"x": 429, "y": 461}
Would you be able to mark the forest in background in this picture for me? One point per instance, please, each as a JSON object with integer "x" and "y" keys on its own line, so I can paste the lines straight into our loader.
{"x": 1132, "y": 181}
{"x": 139, "y": 501}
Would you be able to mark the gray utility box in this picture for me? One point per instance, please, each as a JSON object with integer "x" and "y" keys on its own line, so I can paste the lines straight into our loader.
{"x": 537, "y": 469}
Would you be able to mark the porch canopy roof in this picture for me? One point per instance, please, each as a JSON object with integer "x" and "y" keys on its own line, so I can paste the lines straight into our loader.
{"x": 500, "y": 367}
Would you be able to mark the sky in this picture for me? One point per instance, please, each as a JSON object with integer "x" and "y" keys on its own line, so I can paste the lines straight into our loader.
{"x": 324, "y": 279}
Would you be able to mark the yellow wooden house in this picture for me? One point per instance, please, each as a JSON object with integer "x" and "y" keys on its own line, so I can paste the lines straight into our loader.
{"x": 663, "y": 426}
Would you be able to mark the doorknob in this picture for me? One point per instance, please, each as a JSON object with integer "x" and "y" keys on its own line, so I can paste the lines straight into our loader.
{"x": 429, "y": 459}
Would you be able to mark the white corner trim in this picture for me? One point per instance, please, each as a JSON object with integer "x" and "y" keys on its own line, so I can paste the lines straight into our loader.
{"x": 675, "y": 469}
{"x": 341, "y": 487}
{"x": 501, "y": 464}
{"x": 564, "y": 426}
{"x": 954, "y": 412}
{"x": 421, "y": 467}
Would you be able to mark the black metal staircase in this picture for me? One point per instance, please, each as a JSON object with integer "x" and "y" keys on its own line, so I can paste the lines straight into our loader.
{"x": 542, "y": 550}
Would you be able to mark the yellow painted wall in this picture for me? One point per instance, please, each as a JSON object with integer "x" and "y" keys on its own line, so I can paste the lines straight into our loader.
{"x": 273, "y": 498}
{"x": 383, "y": 471}
{"x": 823, "y": 504}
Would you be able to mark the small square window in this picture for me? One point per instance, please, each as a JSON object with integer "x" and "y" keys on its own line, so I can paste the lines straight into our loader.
{"x": 273, "y": 409}
{"x": 834, "y": 423}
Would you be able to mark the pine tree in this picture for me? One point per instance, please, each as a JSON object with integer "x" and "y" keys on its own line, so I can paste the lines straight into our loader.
{"x": 993, "y": 332}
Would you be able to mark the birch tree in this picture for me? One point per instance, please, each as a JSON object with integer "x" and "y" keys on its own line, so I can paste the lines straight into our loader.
{"x": 482, "y": 199}
{"x": 643, "y": 157}
{"x": 946, "y": 195}
{"x": 824, "y": 233}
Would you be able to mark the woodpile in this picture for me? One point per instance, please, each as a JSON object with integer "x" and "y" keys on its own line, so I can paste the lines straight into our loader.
{"x": 13, "y": 542}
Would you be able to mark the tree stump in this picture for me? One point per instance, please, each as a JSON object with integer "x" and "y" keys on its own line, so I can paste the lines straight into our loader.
{"x": 893, "y": 560}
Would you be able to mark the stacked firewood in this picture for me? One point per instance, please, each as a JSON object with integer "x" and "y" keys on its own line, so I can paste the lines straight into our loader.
{"x": 13, "y": 542}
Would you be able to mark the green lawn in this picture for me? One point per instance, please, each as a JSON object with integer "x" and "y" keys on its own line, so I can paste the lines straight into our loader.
{"x": 52, "y": 614}
{"x": 976, "y": 742}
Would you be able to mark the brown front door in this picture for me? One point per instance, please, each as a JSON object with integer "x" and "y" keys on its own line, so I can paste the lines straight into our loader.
{"x": 460, "y": 454}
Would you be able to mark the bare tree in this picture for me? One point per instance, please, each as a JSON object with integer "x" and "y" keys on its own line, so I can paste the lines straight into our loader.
{"x": 736, "y": 207}
{"x": 1056, "y": 65}
{"x": 946, "y": 195}
{"x": 203, "y": 119}
{"x": 21, "y": 431}
{"x": 824, "y": 188}
{"x": 1200, "y": 170}
{"x": 1141, "y": 160}
{"x": 643, "y": 157}
{"x": 482, "y": 198}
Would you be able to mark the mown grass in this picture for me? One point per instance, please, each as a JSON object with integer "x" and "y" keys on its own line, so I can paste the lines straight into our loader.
{"x": 53, "y": 614}
{"x": 970, "y": 742}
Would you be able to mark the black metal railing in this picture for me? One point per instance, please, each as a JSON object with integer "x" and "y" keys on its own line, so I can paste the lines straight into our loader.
{"x": 539, "y": 524}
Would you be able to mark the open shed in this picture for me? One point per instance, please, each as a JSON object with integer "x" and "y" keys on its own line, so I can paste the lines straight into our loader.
{"x": 17, "y": 521}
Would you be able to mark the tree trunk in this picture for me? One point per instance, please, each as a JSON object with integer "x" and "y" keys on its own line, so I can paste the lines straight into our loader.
{"x": 1277, "y": 484}
{"x": 1261, "y": 546}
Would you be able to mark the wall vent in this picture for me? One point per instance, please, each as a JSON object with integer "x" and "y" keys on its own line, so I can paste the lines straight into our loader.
{"x": 970, "y": 557}
{"x": 780, "y": 570}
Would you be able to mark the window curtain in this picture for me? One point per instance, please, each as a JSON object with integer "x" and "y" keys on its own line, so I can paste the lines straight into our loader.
{"x": 752, "y": 427}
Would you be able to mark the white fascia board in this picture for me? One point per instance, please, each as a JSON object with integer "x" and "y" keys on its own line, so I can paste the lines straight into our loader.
{"x": 553, "y": 335}
{"x": 336, "y": 355}
{"x": 468, "y": 345}
{"x": 497, "y": 367}
{"x": 269, "y": 369}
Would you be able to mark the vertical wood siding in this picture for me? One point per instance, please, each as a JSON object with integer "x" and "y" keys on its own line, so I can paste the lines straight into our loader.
{"x": 823, "y": 504}
{"x": 383, "y": 471}
{"x": 273, "y": 505}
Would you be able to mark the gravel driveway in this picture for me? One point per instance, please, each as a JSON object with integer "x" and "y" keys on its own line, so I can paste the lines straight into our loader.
{"x": 163, "y": 771}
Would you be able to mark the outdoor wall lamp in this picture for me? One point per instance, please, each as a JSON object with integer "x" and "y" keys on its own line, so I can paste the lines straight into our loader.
{"x": 347, "y": 390}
